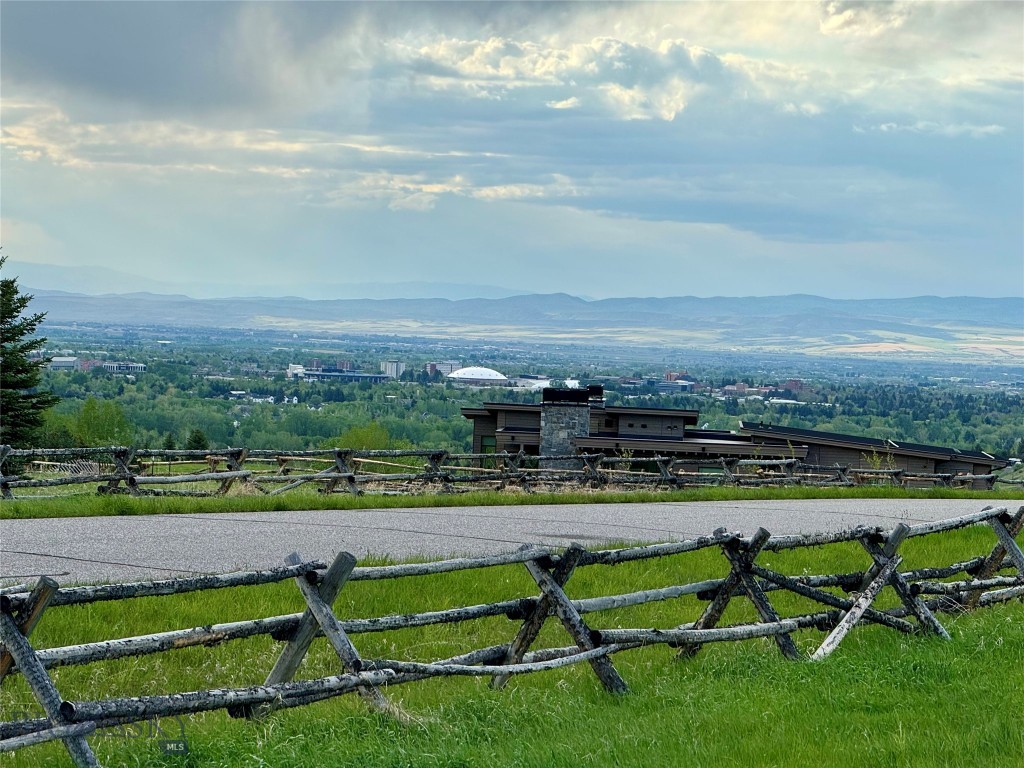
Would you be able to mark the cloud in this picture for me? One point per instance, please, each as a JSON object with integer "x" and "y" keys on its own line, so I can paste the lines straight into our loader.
{"x": 415, "y": 201}
{"x": 571, "y": 103}
{"x": 795, "y": 123}
{"x": 863, "y": 19}
{"x": 807, "y": 108}
{"x": 633, "y": 81}
{"x": 665, "y": 101}
{"x": 939, "y": 129}
{"x": 558, "y": 187}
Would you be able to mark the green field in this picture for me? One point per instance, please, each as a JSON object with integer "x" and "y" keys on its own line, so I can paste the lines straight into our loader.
{"x": 881, "y": 699}
{"x": 89, "y": 504}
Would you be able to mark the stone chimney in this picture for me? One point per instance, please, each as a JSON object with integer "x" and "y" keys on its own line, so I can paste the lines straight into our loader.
{"x": 564, "y": 416}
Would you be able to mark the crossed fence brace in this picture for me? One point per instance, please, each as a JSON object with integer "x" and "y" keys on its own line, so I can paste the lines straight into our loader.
{"x": 440, "y": 469}
{"x": 71, "y": 722}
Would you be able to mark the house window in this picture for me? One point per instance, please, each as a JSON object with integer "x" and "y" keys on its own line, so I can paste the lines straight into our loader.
{"x": 630, "y": 424}
{"x": 609, "y": 423}
{"x": 643, "y": 426}
{"x": 488, "y": 444}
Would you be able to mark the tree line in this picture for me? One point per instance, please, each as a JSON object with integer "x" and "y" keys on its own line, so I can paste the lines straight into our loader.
{"x": 149, "y": 412}
{"x": 185, "y": 400}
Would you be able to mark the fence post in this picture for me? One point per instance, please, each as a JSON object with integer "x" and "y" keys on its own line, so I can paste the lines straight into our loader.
{"x": 574, "y": 623}
{"x": 716, "y": 608}
{"x": 235, "y": 459}
{"x": 860, "y": 605}
{"x": 524, "y": 477}
{"x": 293, "y": 653}
{"x": 122, "y": 458}
{"x": 339, "y": 640}
{"x": 925, "y": 618}
{"x": 741, "y": 559}
{"x": 45, "y": 692}
{"x": 5, "y": 489}
{"x": 995, "y": 559}
{"x": 342, "y": 466}
{"x": 1013, "y": 551}
{"x": 592, "y": 466}
{"x": 28, "y": 616}
{"x": 434, "y": 471}
{"x": 539, "y": 614}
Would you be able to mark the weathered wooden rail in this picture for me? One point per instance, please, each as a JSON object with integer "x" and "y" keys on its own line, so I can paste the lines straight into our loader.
{"x": 978, "y": 581}
{"x": 122, "y": 469}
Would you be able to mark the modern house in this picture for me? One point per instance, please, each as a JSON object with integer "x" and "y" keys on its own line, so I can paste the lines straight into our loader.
{"x": 578, "y": 421}
{"x": 828, "y": 448}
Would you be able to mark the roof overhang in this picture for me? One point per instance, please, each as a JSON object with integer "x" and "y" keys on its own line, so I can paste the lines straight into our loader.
{"x": 868, "y": 444}
{"x": 687, "y": 415}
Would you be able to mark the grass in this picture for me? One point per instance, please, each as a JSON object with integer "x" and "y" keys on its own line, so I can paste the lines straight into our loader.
{"x": 881, "y": 699}
{"x": 90, "y": 505}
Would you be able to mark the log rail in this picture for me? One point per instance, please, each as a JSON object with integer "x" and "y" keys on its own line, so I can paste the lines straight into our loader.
{"x": 124, "y": 469}
{"x": 844, "y": 602}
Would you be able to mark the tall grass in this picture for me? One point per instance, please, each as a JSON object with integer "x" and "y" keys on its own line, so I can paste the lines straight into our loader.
{"x": 88, "y": 505}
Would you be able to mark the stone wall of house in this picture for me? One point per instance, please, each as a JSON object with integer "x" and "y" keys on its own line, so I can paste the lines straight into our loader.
{"x": 560, "y": 425}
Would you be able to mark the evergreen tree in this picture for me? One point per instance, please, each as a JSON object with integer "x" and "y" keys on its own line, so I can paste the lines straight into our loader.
{"x": 196, "y": 441}
{"x": 21, "y": 406}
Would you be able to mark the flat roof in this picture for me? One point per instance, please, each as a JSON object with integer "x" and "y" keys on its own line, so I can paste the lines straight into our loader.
{"x": 618, "y": 410}
{"x": 624, "y": 410}
{"x": 872, "y": 443}
{"x": 508, "y": 407}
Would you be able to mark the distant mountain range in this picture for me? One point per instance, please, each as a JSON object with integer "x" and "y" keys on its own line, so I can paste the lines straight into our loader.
{"x": 98, "y": 281}
{"x": 926, "y": 326}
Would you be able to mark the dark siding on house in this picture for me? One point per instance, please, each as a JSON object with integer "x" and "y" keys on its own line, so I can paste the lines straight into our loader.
{"x": 602, "y": 423}
{"x": 963, "y": 467}
{"x": 483, "y": 426}
{"x": 518, "y": 420}
{"x": 643, "y": 425}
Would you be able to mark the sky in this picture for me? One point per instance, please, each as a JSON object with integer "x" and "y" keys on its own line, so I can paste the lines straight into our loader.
{"x": 845, "y": 149}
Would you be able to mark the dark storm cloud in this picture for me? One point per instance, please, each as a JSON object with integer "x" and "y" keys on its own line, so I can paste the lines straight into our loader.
{"x": 175, "y": 58}
{"x": 163, "y": 55}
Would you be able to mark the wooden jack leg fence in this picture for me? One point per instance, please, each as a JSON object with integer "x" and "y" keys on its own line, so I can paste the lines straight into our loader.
{"x": 983, "y": 580}
{"x": 132, "y": 471}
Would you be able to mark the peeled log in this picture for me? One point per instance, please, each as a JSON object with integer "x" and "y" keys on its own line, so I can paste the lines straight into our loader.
{"x": 702, "y": 636}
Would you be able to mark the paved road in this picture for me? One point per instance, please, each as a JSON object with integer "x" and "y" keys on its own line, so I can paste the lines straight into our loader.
{"x": 99, "y": 549}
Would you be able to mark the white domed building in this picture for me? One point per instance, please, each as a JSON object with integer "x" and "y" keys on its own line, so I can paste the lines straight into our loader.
{"x": 478, "y": 377}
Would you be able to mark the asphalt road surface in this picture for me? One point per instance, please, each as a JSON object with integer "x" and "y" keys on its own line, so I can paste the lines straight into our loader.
{"x": 101, "y": 549}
